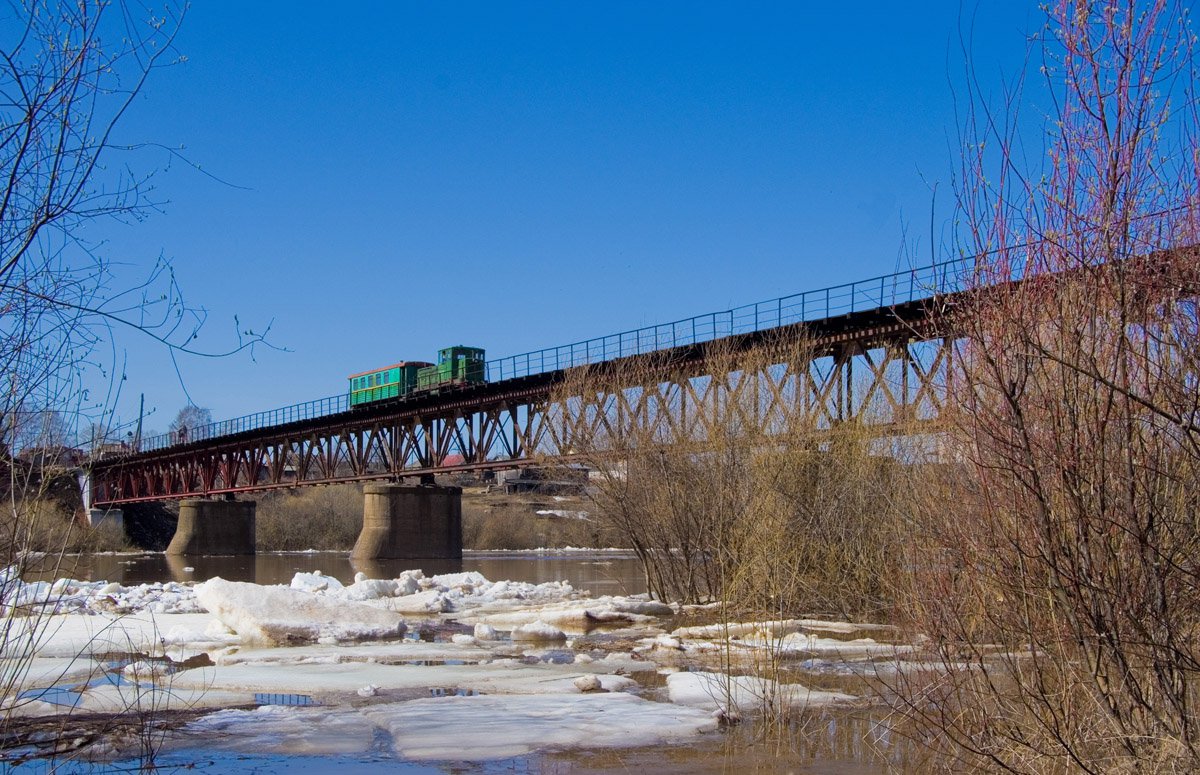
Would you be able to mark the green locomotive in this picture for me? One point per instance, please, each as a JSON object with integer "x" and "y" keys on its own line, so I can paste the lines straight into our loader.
{"x": 457, "y": 366}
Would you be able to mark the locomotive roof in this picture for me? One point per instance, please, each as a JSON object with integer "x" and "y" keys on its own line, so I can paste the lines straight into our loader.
{"x": 385, "y": 368}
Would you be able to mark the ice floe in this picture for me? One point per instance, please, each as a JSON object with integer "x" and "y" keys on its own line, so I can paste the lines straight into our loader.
{"x": 459, "y": 728}
{"x": 789, "y": 637}
{"x": 346, "y": 678}
{"x": 717, "y": 691}
{"x": 280, "y": 615}
{"x": 63, "y": 635}
{"x": 500, "y": 669}
{"x": 493, "y": 727}
{"x": 538, "y": 630}
{"x": 275, "y": 729}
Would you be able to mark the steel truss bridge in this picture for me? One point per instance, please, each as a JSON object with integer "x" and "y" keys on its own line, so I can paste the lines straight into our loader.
{"x": 876, "y": 349}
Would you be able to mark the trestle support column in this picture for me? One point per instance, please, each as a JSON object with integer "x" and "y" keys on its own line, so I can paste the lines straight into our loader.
{"x": 214, "y": 527}
{"x": 406, "y": 522}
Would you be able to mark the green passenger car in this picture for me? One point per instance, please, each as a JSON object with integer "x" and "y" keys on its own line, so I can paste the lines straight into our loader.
{"x": 393, "y": 381}
{"x": 456, "y": 365}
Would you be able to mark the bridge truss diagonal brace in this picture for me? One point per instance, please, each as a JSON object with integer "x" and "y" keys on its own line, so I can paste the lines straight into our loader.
{"x": 880, "y": 379}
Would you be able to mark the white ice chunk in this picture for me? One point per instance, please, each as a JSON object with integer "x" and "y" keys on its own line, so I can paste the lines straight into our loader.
{"x": 468, "y": 580}
{"x": 266, "y": 614}
{"x": 538, "y": 630}
{"x": 501, "y": 726}
{"x": 316, "y": 582}
{"x": 588, "y": 683}
{"x": 371, "y": 589}
{"x": 142, "y": 670}
{"x": 430, "y": 601}
{"x": 499, "y": 677}
{"x": 279, "y": 730}
{"x": 715, "y": 691}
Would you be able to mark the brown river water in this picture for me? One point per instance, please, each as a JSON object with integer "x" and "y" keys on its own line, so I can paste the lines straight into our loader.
{"x": 602, "y": 573}
{"x": 843, "y": 741}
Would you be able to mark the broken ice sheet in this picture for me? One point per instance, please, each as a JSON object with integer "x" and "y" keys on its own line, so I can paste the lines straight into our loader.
{"x": 473, "y": 728}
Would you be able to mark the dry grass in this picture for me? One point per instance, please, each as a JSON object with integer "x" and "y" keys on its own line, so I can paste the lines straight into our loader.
{"x": 309, "y": 518}
{"x": 769, "y": 514}
{"x": 507, "y": 522}
{"x": 330, "y": 518}
{"x": 1059, "y": 564}
{"x": 48, "y": 518}
{"x": 774, "y": 516}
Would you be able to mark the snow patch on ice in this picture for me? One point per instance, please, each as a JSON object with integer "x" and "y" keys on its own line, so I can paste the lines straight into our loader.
{"x": 715, "y": 691}
{"x": 498, "y": 726}
{"x": 280, "y": 730}
{"x": 91, "y": 597}
{"x": 497, "y": 677}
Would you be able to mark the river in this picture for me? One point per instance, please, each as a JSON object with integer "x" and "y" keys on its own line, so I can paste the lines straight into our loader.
{"x": 601, "y": 573}
{"x": 843, "y": 740}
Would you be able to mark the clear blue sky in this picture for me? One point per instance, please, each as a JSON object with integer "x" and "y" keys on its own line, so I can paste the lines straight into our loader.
{"x": 410, "y": 176}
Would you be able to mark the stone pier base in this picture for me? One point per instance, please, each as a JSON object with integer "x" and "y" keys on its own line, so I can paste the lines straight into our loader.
{"x": 214, "y": 527}
{"x": 405, "y": 522}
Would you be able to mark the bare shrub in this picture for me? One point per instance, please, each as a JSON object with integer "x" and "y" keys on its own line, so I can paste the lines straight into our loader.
{"x": 507, "y": 527}
{"x": 310, "y": 518}
{"x": 588, "y": 533}
{"x": 46, "y": 516}
{"x": 727, "y": 486}
{"x": 1056, "y": 570}
{"x": 515, "y": 524}
{"x": 830, "y": 520}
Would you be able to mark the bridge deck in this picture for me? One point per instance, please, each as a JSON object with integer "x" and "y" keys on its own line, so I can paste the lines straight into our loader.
{"x": 492, "y": 425}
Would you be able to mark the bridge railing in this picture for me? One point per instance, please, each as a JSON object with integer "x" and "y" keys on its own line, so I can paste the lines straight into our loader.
{"x": 883, "y": 291}
{"x": 304, "y": 411}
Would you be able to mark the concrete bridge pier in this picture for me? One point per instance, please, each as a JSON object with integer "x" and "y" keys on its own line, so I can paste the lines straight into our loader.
{"x": 214, "y": 527}
{"x": 406, "y": 522}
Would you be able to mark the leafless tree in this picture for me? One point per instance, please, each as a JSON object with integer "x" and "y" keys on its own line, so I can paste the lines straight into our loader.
{"x": 70, "y": 71}
{"x": 188, "y": 420}
{"x": 728, "y": 485}
{"x": 1058, "y": 574}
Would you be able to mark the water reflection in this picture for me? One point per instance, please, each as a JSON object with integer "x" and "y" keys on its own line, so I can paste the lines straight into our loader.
{"x": 846, "y": 742}
{"x": 606, "y": 573}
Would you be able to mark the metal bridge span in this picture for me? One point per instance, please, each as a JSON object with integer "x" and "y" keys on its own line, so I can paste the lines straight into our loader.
{"x": 880, "y": 350}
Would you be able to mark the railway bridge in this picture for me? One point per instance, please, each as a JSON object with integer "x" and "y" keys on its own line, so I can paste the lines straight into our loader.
{"x": 875, "y": 348}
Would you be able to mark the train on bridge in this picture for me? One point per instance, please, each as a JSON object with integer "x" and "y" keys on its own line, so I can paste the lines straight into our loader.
{"x": 457, "y": 366}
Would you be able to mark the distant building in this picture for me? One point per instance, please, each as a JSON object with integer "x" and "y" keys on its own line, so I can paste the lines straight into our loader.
{"x": 53, "y": 455}
{"x": 110, "y": 449}
{"x": 558, "y": 480}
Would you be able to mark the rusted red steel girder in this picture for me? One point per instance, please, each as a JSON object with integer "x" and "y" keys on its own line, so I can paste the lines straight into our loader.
{"x": 899, "y": 353}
